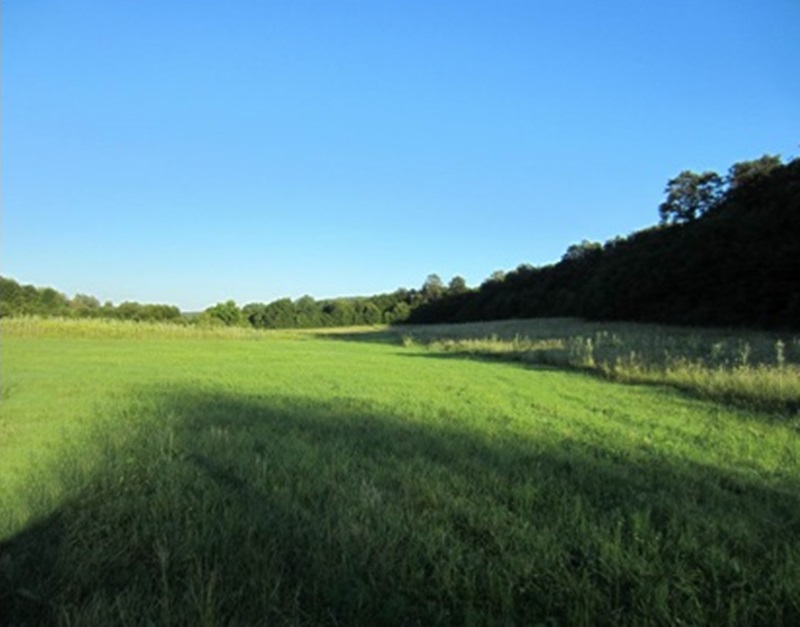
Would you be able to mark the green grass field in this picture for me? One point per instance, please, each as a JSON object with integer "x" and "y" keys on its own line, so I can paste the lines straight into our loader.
{"x": 504, "y": 474}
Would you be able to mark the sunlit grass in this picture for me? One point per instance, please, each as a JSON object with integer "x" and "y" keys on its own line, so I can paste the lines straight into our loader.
{"x": 753, "y": 368}
{"x": 348, "y": 479}
{"x": 106, "y": 328}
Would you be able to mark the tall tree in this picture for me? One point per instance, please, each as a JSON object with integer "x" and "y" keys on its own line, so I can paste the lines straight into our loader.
{"x": 457, "y": 285}
{"x": 433, "y": 287}
{"x": 690, "y": 195}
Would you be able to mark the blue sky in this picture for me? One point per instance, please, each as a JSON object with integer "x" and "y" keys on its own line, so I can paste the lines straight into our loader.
{"x": 190, "y": 151}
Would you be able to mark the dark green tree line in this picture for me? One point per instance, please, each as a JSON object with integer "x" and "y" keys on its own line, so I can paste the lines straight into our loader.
{"x": 725, "y": 253}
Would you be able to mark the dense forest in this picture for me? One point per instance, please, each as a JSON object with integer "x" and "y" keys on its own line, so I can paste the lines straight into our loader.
{"x": 726, "y": 252}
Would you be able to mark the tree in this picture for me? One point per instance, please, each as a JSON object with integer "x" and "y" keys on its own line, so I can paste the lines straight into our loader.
{"x": 369, "y": 313}
{"x": 84, "y": 305}
{"x": 10, "y": 296}
{"x": 495, "y": 279}
{"x": 52, "y": 302}
{"x": 129, "y": 310}
{"x": 457, "y": 285}
{"x": 161, "y": 313}
{"x": 279, "y": 314}
{"x": 252, "y": 313}
{"x": 227, "y": 313}
{"x": 341, "y": 312}
{"x": 433, "y": 288}
{"x": 746, "y": 172}
{"x": 690, "y": 195}
{"x": 306, "y": 312}
{"x": 398, "y": 313}
{"x": 583, "y": 251}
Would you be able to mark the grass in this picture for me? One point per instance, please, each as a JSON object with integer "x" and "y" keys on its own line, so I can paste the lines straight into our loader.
{"x": 310, "y": 479}
{"x": 757, "y": 370}
{"x": 107, "y": 328}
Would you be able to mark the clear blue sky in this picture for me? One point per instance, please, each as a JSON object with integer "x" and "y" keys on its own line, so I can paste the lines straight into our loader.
{"x": 190, "y": 151}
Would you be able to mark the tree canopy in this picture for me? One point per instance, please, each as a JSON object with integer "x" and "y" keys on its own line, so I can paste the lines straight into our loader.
{"x": 690, "y": 195}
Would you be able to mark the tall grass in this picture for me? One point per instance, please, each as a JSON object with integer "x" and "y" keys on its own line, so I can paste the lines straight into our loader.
{"x": 757, "y": 369}
{"x": 105, "y": 328}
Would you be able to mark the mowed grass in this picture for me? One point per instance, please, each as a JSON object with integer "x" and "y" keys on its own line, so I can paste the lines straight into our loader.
{"x": 148, "y": 477}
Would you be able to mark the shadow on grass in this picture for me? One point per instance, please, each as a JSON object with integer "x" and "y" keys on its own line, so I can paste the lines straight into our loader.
{"x": 226, "y": 509}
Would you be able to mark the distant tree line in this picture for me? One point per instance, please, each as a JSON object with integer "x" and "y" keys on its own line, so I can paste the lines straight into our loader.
{"x": 306, "y": 312}
{"x": 28, "y": 300}
{"x": 726, "y": 252}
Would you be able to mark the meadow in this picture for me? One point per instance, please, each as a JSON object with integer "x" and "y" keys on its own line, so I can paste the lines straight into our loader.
{"x": 550, "y": 472}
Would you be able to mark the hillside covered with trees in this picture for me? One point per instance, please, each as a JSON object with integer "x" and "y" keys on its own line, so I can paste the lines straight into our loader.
{"x": 726, "y": 252}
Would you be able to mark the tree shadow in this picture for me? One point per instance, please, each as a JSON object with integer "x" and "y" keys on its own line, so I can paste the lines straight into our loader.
{"x": 221, "y": 508}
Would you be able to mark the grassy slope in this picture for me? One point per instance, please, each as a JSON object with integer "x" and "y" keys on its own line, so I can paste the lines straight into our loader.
{"x": 299, "y": 480}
